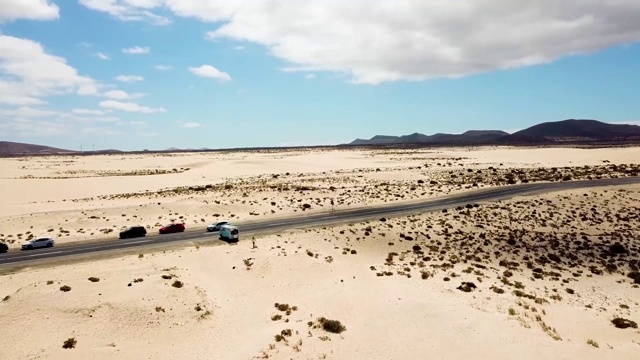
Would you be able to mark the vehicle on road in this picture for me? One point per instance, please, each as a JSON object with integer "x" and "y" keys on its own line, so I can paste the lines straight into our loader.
{"x": 133, "y": 232}
{"x": 38, "y": 243}
{"x": 3, "y": 247}
{"x": 217, "y": 226}
{"x": 172, "y": 228}
{"x": 229, "y": 233}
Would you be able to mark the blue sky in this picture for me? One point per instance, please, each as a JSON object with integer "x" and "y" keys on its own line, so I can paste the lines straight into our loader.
{"x": 216, "y": 74}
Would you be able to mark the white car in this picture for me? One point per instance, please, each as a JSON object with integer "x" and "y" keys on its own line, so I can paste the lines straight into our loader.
{"x": 38, "y": 243}
{"x": 217, "y": 226}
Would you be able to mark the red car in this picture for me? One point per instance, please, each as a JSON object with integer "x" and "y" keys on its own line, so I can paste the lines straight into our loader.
{"x": 172, "y": 228}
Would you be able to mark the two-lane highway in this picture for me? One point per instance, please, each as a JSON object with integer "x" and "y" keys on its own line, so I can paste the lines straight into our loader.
{"x": 248, "y": 229}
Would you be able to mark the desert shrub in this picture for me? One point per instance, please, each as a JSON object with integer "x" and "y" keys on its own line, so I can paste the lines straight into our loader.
{"x": 282, "y": 307}
{"x": 167, "y": 277}
{"x": 65, "y": 288}
{"x": 621, "y": 323}
{"x": 332, "y": 326}
{"x": 70, "y": 343}
{"x": 177, "y": 284}
{"x": 94, "y": 279}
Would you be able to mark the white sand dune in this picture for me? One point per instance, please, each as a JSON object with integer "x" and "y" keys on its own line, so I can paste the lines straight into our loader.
{"x": 368, "y": 276}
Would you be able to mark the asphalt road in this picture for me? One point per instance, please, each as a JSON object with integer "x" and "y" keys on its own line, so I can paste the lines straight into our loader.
{"x": 248, "y": 229}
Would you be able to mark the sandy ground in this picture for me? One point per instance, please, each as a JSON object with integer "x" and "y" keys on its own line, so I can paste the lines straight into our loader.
{"x": 531, "y": 278}
{"x": 76, "y": 198}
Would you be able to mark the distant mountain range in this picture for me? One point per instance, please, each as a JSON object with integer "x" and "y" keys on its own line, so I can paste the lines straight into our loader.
{"x": 561, "y": 132}
{"x": 12, "y": 148}
{"x": 566, "y": 131}
{"x": 475, "y": 136}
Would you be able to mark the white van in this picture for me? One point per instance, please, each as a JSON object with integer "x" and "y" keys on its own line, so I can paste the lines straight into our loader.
{"x": 229, "y": 232}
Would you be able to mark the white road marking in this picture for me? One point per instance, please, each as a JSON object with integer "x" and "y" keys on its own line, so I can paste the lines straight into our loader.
{"x": 110, "y": 246}
{"x": 44, "y": 253}
{"x": 138, "y": 242}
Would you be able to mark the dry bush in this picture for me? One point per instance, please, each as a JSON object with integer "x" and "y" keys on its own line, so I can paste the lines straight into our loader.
{"x": 70, "y": 343}
{"x": 621, "y": 323}
{"x": 332, "y": 326}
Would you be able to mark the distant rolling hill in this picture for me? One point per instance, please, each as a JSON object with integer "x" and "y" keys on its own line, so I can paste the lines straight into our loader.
{"x": 577, "y": 130}
{"x": 565, "y": 131}
{"x": 570, "y": 131}
{"x": 15, "y": 148}
{"x": 469, "y": 137}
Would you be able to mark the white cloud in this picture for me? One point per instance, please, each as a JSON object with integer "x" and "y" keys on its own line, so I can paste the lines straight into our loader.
{"x": 163, "y": 67}
{"x": 239, "y": 47}
{"x": 209, "y": 71}
{"x": 100, "y": 130}
{"x": 129, "y": 10}
{"x": 28, "y": 73}
{"x": 129, "y": 78}
{"x": 381, "y": 41}
{"x": 191, "y": 125}
{"x": 35, "y": 127}
{"x": 122, "y": 95}
{"x": 149, "y": 134}
{"x": 129, "y": 107}
{"x": 28, "y": 112}
{"x": 136, "y": 50}
{"x": 28, "y": 9}
{"x": 310, "y": 76}
{"x": 87, "y": 112}
{"x": 85, "y": 44}
{"x": 102, "y": 56}
{"x": 29, "y": 122}
{"x": 95, "y": 119}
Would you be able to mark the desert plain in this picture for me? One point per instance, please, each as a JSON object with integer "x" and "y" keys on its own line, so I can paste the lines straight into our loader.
{"x": 549, "y": 276}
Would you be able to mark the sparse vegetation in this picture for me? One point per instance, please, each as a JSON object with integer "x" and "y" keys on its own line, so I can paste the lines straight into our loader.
{"x": 65, "y": 288}
{"x": 332, "y": 326}
{"x": 177, "y": 284}
{"x": 70, "y": 343}
{"x": 622, "y": 323}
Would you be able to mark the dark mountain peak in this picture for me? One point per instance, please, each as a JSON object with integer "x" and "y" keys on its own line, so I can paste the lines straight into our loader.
{"x": 485, "y": 133}
{"x": 585, "y": 129}
{"x": 564, "y": 131}
{"x": 15, "y": 148}
{"x": 383, "y": 137}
